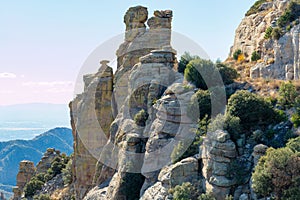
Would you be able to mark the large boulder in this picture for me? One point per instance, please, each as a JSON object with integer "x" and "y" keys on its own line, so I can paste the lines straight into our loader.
{"x": 184, "y": 171}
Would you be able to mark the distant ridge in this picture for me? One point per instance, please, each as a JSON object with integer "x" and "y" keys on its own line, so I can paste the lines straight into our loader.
{"x": 12, "y": 152}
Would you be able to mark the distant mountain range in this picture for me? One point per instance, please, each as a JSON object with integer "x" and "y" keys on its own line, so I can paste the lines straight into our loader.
{"x": 25, "y": 121}
{"x": 12, "y": 152}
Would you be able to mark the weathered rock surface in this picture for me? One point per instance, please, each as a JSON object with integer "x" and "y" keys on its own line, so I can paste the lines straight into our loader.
{"x": 184, "y": 171}
{"x": 134, "y": 158}
{"x": 279, "y": 58}
{"x": 258, "y": 151}
{"x": 91, "y": 116}
{"x": 217, "y": 153}
{"x": 139, "y": 42}
{"x": 26, "y": 171}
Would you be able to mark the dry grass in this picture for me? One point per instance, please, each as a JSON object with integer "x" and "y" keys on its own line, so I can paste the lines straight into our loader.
{"x": 265, "y": 87}
{"x": 61, "y": 193}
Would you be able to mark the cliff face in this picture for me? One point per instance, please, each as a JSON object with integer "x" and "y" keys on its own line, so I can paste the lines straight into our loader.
{"x": 130, "y": 156}
{"x": 139, "y": 42}
{"x": 91, "y": 116}
{"x": 279, "y": 51}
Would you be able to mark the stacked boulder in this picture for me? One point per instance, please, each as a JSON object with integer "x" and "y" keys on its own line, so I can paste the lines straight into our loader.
{"x": 217, "y": 153}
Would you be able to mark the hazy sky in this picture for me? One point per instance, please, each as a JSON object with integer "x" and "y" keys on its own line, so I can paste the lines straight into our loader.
{"x": 44, "y": 43}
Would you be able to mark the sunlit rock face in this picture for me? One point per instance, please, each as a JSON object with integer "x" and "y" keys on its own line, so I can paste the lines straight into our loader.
{"x": 91, "y": 116}
{"x": 279, "y": 58}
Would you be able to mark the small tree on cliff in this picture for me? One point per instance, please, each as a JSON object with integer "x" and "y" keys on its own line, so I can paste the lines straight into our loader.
{"x": 184, "y": 60}
{"x": 195, "y": 67}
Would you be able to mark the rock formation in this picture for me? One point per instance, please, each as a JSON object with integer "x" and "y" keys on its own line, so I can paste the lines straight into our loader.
{"x": 46, "y": 160}
{"x": 139, "y": 42}
{"x": 91, "y": 116}
{"x": 187, "y": 170}
{"x": 26, "y": 171}
{"x": 217, "y": 153}
{"x": 149, "y": 103}
{"x": 279, "y": 58}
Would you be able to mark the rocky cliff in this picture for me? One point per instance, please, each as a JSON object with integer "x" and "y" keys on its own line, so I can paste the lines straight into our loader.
{"x": 270, "y": 32}
{"x": 91, "y": 116}
{"x": 125, "y": 136}
{"x": 132, "y": 127}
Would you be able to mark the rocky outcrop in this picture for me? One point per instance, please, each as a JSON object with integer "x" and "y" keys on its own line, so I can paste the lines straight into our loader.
{"x": 279, "y": 58}
{"x": 217, "y": 153}
{"x": 170, "y": 126}
{"x": 26, "y": 171}
{"x": 91, "y": 116}
{"x": 46, "y": 160}
{"x": 139, "y": 41}
{"x": 144, "y": 71}
{"x": 148, "y": 80}
{"x": 150, "y": 104}
{"x": 187, "y": 170}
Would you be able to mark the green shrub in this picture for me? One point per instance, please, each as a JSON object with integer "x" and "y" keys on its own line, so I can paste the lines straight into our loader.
{"x": 184, "y": 60}
{"x": 141, "y": 117}
{"x": 32, "y": 187}
{"x": 236, "y": 54}
{"x": 228, "y": 74}
{"x": 67, "y": 173}
{"x": 255, "y": 56}
{"x": 195, "y": 67}
{"x": 207, "y": 196}
{"x": 185, "y": 191}
{"x": 285, "y": 19}
{"x": 48, "y": 176}
{"x": 296, "y": 120}
{"x": 255, "y": 7}
{"x": 42, "y": 197}
{"x": 276, "y": 33}
{"x": 281, "y": 115}
{"x": 290, "y": 15}
{"x": 40, "y": 177}
{"x": 268, "y": 32}
{"x": 200, "y": 105}
{"x": 287, "y": 95}
{"x": 252, "y": 110}
{"x": 226, "y": 122}
{"x": 277, "y": 173}
{"x": 56, "y": 167}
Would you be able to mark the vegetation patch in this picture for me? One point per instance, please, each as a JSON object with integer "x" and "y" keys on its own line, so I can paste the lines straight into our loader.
{"x": 255, "y": 56}
{"x": 141, "y": 117}
{"x": 277, "y": 173}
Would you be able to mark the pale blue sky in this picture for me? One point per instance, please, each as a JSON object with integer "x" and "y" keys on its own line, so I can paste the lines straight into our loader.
{"x": 44, "y": 43}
